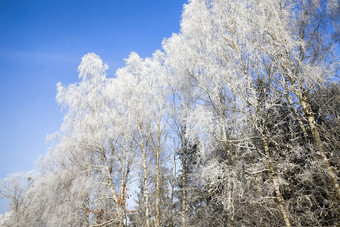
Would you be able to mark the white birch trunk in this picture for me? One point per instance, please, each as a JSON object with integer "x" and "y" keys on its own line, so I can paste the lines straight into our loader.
{"x": 275, "y": 181}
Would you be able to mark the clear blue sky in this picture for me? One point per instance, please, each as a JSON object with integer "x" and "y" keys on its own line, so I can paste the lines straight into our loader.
{"x": 42, "y": 42}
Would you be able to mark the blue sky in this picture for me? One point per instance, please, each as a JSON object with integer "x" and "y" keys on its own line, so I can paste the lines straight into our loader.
{"x": 42, "y": 42}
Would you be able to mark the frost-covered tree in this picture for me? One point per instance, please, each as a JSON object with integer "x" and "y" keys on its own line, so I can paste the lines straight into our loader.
{"x": 145, "y": 98}
{"x": 181, "y": 103}
{"x": 13, "y": 188}
{"x": 91, "y": 125}
{"x": 231, "y": 45}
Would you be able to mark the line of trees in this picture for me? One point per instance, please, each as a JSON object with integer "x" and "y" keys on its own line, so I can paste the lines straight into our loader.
{"x": 235, "y": 122}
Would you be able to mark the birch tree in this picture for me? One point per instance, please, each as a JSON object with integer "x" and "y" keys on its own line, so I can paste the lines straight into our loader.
{"x": 146, "y": 100}
{"x": 181, "y": 103}
{"x": 13, "y": 188}
{"x": 89, "y": 124}
{"x": 230, "y": 42}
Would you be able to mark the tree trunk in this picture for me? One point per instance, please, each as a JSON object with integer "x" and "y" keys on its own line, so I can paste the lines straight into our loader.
{"x": 173, "y": 178}
{"x": 110, "y": 181}
{"x": 184, "y": 174}
{"x": 123, "y": 187}
{"x": 158, "y": 218}
{"x": 298, "y": 117}
{"x": 146, "y": 190}
{"x": 184, "y": 186}
{"x": 157, "y": 155}
{"x": 275, "y": 181}
{"x": 304, "y": 99}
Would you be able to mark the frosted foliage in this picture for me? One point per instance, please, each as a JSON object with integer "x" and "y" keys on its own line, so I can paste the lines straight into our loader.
{"x": 180, "y": 66}
{"x": 92, "y": 67}
{"x": 84, "y": 101}
{"x": 145, "y": 90}
{"x": 59, "y": 194}
{"x": 195, "y": 19}
{"x": 7, "y": 219}
{"x": 332, "y": 7}
{"x": 231, "y": 42}
{"x": 201, "y": 124}
{"x": 235, "y": 37}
